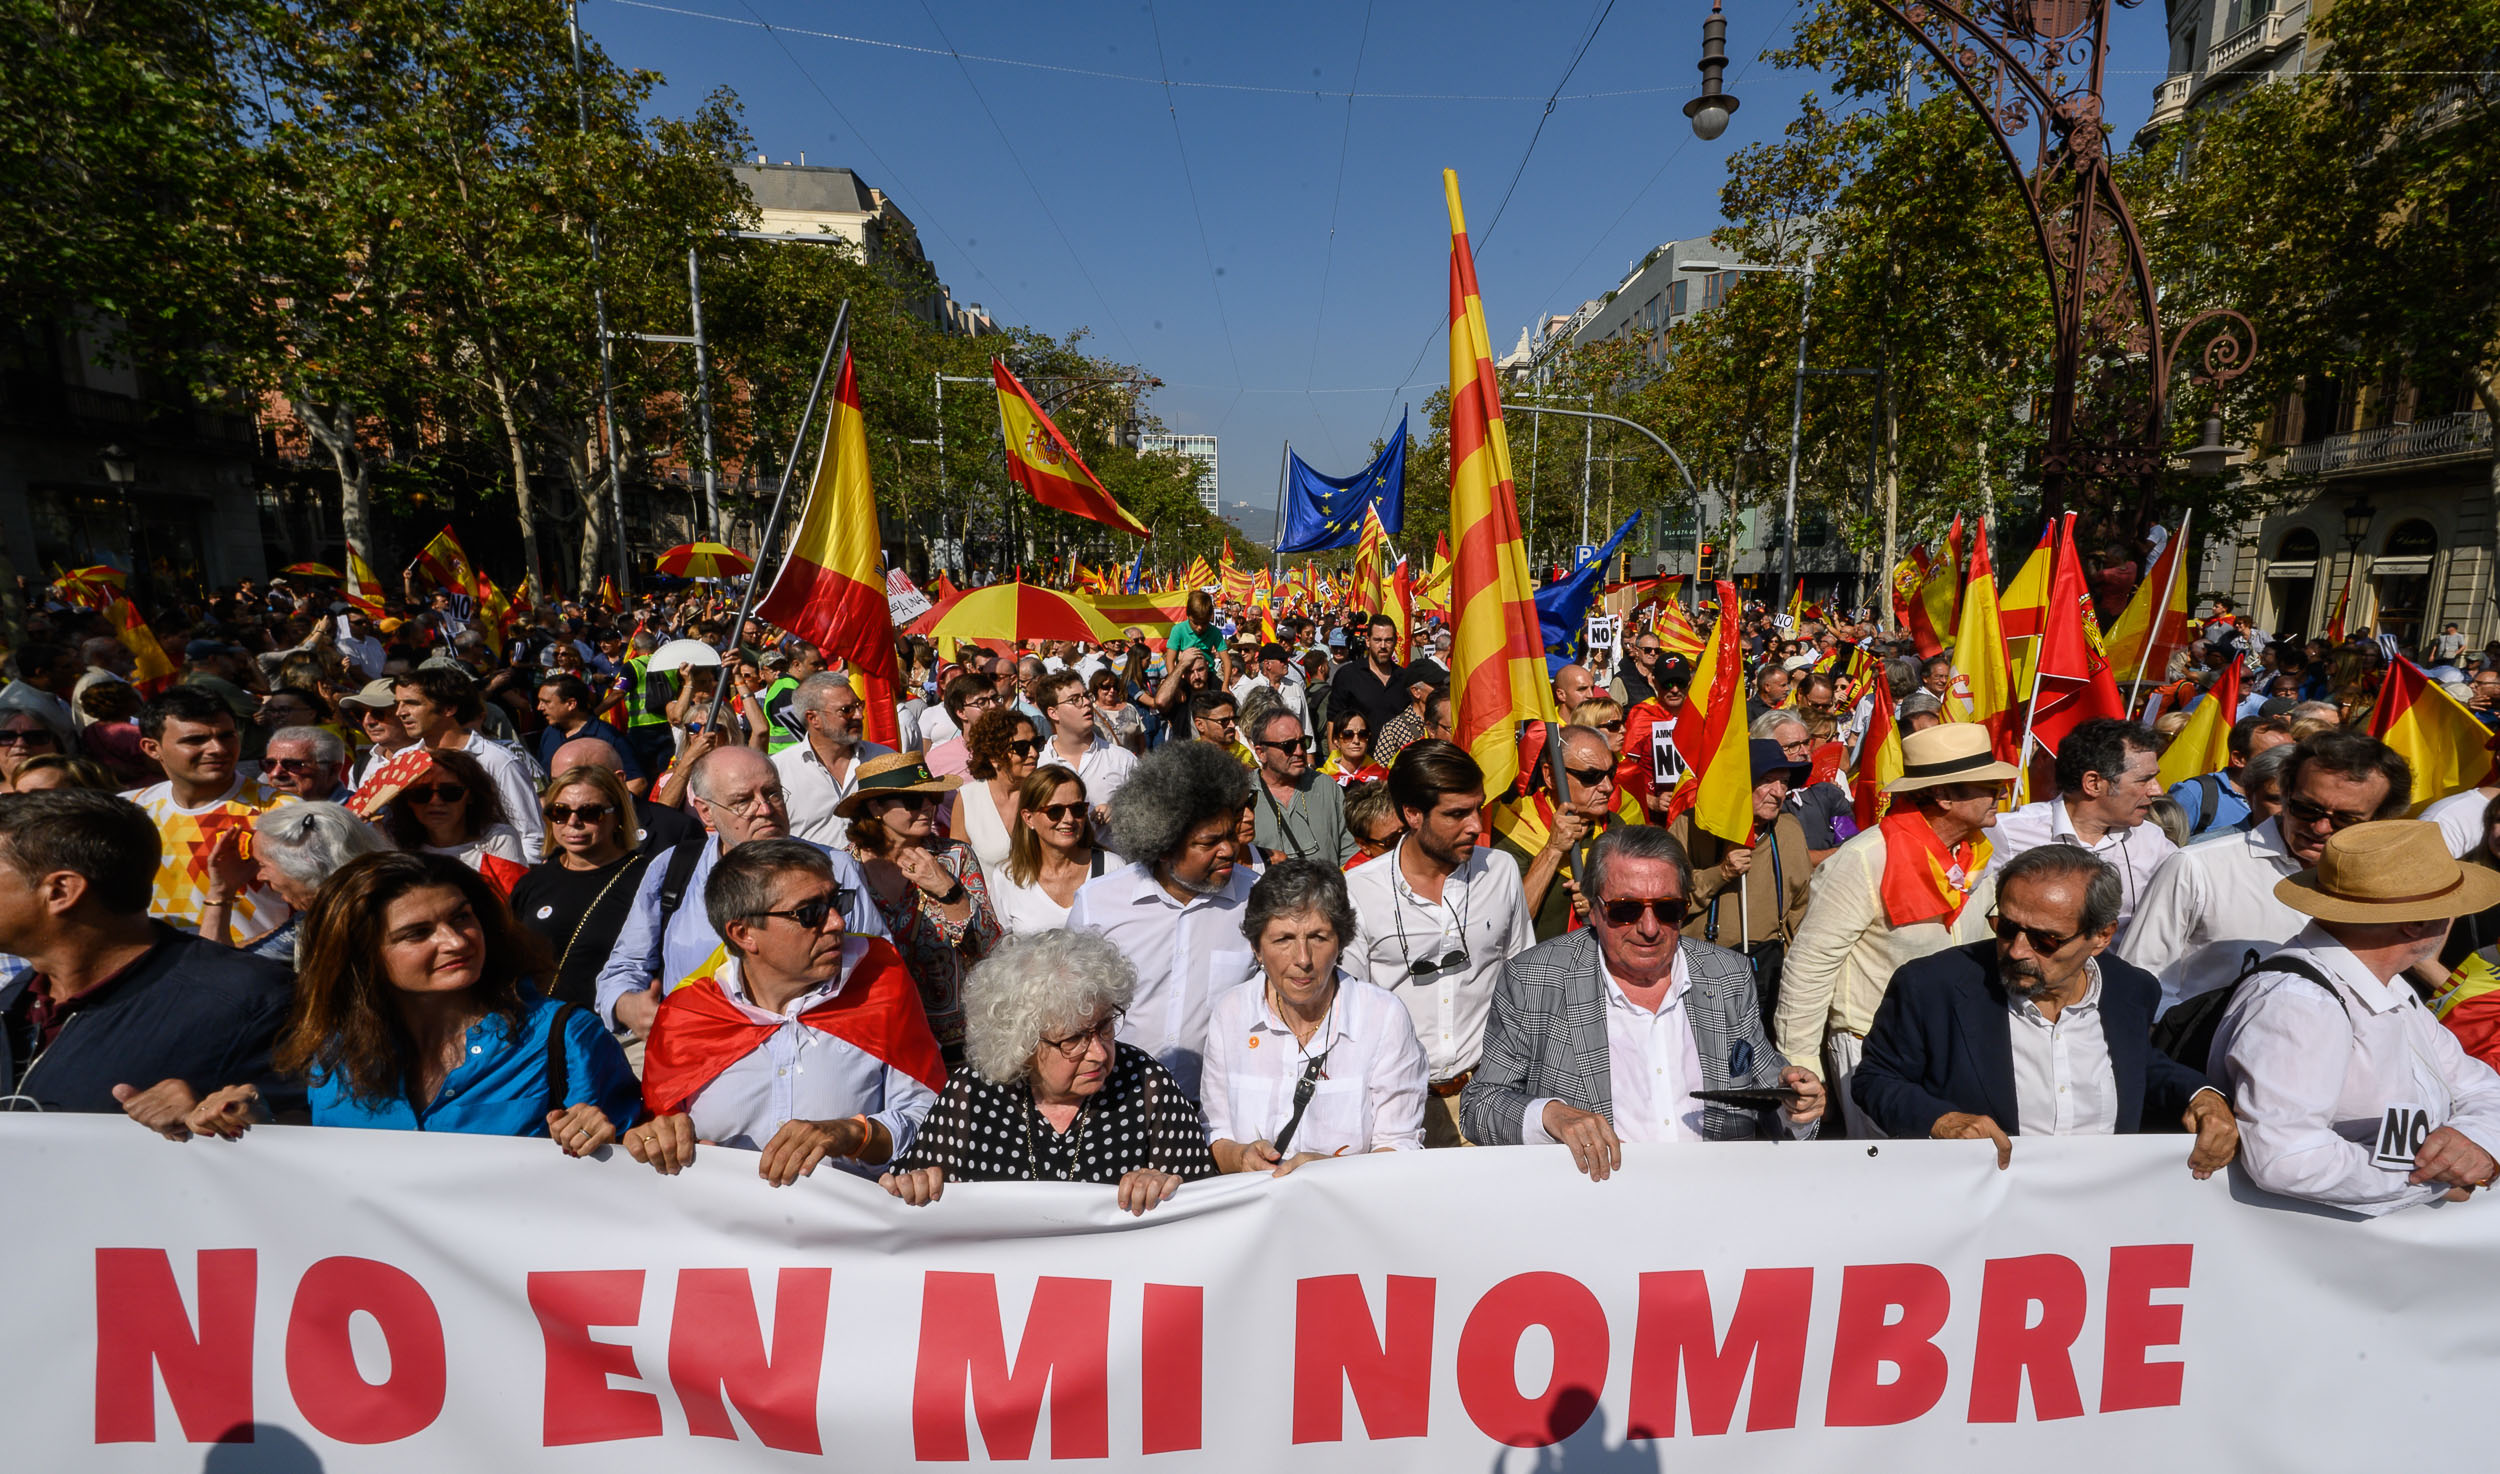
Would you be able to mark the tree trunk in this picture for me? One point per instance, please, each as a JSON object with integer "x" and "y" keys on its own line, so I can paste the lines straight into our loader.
{"x": 523, "y": 505}
{"x": 2490, "y": 613}
{"x": 593, "y": 491}
{"x": 336, "y": 431}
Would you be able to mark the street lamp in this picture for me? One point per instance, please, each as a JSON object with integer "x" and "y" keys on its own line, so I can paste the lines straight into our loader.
{"x": 2211, "y": 458}
{"x": 2359, "y": 513}
{"x": 1797, "y": 397}
{"x": 1711, "y": 109}
{"x": 120, "y": 467}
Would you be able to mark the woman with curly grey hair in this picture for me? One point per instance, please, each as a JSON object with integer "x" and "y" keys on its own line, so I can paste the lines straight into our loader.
{"x": 1174, "y": 910}
{"x": 1050, "y": 1095}
{"x": 1306, "y": 1061}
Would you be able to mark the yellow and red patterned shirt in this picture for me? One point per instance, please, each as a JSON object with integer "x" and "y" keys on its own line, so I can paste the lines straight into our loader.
{"x": 188, "y": 835}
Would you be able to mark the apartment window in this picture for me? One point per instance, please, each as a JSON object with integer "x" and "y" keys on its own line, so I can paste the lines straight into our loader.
{"x": 1675, "y": 297}
{"x": 1813, "y": 529}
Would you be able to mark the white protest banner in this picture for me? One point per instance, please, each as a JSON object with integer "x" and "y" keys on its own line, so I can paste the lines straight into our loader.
{"x": 356, "y": 1301}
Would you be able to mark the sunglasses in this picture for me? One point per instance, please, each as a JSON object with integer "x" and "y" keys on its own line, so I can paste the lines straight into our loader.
{"x": 27, "y": 739}
{"x": 810, "y": 913}
{"x": 435, "y": 793}
{"x": 1025, "y": 748}
{"x": 912, "y": 801}
{"x": 1590, "y": 777}
{"x": 2045, "y": 943}
{"x": 1424, "y": 967}
{"x": 292, "y": 764}
{"x": 1060, "y": 813}
{"x": 585, "y": 813}
{"x": 1670, "y": 910}
{"x": 1354, "y": 733}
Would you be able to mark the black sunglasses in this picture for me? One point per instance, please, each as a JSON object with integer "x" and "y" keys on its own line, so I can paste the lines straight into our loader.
{"x": 912, "y": 801}
{"x": 1590, "y": 777}
{"x": 1059, "y": 813}
{"x": 431, "y": 793}
{"x": 586, "y": 813}
{"x": 810, "y": 913}
{"x": 1670, "y": 910}
{"x": 1025, "y": 747}
{"x": 2046, "y": 943}
{"x": 28, "y": 739}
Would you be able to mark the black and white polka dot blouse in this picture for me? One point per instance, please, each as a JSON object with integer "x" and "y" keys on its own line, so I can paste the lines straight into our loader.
{"x": 980, "y": 1132}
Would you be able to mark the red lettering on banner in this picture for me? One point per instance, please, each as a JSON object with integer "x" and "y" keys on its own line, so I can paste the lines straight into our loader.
{"x": 2010, "y": 1345}
{"x": 580, "y": 1406}
{"x": 1172, "y": 1359}
{"x": 2132, "y": 1324}
{"x": 321, "y": 1369}
{"x": 716, "y": 1344}
{"x": 1488, "y": 1354}
{"x": 142, "y": 1329}
{"x": 1766, "y": 1334}
{"x": 1869, "y": 1337}
{"x": 1066, "y": 1347}
{"x": 1335, "y": 1348}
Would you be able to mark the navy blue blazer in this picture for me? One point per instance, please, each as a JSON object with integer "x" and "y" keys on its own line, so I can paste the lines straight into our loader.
{"x": 1943, "y": 1042}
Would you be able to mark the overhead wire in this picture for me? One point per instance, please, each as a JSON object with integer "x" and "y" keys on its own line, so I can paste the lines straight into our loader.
{"x": 1206, "y": 247}
{"x": 1336, "y": 201}
{"x": 1039, "y": 197}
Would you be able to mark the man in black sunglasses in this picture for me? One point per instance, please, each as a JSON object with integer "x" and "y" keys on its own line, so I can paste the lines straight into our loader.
{"x": 1546, "y": 838}
{"x": 1600, "y": 1036}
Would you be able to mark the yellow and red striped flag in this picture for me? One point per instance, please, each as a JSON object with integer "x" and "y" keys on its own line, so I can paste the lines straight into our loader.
{"x": 1983, "y": 685}
{"x": 1497, "y": 659}
{"x": 1199, "y": 575}
{"x": 1369, "y": 560}
{"x": 2141, "y": 642}
{"x": 1711, "y": 734}
{"x": 2447, "y": 748}
{"x": 1879, "y": 759}
{"x": 363, "y": 590}
{"x": 446, "y": 564}
{"x": 2204, "y": 744}
{"x": 830, "y": 591}
{"x": 151, "y": 671}
{"x": 1041, "y": 460}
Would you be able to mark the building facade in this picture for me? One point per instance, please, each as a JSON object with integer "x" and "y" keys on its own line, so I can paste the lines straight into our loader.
{"x": 806, "y": 199}
{"x": 1199, "y": 448}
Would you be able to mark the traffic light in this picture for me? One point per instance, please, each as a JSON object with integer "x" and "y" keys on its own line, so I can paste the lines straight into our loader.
{"x": 1705, "y": 563}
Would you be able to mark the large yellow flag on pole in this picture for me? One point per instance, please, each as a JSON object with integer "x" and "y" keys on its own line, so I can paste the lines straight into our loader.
{"x": 1497, "y": 660}
{"x": 1983, "y": 684}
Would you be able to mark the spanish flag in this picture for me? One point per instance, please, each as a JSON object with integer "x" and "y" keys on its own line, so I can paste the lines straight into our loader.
{"x": 1712, "y": 733}
{"x": 446, "y": 564}
{"x": 2204, "y": 744}
{"x": 2141, "y": 643}
{"x": 150, "y": 670}
{"x": 363, "y": 590}
{"x": 830, "y": 591}
{"x": 2447, "y": 748}
{"x": 1983, "y": 686}
{"x": 1041, "y": 460}
{"x": 494, "y": 611}
{"x": 1497, "y": 659}
{"x": 1879, "y": 760}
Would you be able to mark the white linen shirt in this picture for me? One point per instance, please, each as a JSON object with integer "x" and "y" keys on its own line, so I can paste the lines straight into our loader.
{"x": 2136, "y": 852}
{"x": 802, "y": 1073}
{"x": 1653, "y": 1063}
{"x": 811, "y": 790}
{"x": 1369, "y": 1096}
{"x": 2064, "y": 1084}
{"x": 1102, "y": 769}
{"x": 1483, "y": 910}
{"x": 2208, "y": 907}
{"x": 2460, "y": 820}
{"x": 1185, "y": 955}
{"x": 2314, "y": 1077}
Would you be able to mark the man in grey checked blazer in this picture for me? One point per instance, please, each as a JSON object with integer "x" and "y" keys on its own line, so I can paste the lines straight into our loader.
{"x": 1550, "y": 1042}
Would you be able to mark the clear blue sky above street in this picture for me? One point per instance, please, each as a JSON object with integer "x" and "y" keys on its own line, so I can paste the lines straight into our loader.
{"x": 1056, "y": 181}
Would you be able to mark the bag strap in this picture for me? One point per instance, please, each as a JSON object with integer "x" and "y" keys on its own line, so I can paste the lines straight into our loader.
{"x": 679, "y": 875}
{"x": 559, "y": 1076}
{"x": 592, "y": 909}
{"x": 2209, "y": 788}
{"x": 2250, "y": 963}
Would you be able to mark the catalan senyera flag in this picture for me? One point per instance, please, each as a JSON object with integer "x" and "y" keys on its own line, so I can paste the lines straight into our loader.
{"x": 1041, "y": 460}
{"x": 1983, "y": 683}
{"x": 1676, "y": 634}
{"x": 1712, "y": 736}
{"x": 2154, "y": 625}
{"x": 1370, "y": 561}
{"x": 151, "y": 670}
{"x": 2447, "y": 748}
{"x": 1402, "y": 609}
{"x": 1879, "y": 760}
{"x": 446, "y": 564}
{"x": 2204, "y": 744}
{"x": 1199, "y": 574}
{"x": 1497, "y": 657}
{"x": 830, "y": 591}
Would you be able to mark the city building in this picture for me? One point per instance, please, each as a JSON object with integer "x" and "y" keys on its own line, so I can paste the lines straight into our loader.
{"x": 814, "y": 199}
{"x": 1199, "y": 448}
{"x": 2385, "y": 517}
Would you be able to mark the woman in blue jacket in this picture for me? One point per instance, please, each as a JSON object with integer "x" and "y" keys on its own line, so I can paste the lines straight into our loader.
{"x": 414, "y": 1012}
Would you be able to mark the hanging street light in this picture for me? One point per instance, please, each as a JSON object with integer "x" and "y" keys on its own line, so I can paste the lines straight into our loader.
{"x": 1711, "y": 110}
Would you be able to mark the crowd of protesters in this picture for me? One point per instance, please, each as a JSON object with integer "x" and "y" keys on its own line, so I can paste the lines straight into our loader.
{"x": 1213, "y": 901}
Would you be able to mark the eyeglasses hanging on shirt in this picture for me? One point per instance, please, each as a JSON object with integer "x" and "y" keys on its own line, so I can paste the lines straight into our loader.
{"x": 1424, "y": 967}
{"x": 1314, "y": 1070}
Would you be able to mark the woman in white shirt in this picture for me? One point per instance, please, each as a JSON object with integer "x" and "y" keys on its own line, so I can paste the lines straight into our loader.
{"x": 1051, "y": 853}
{"x": 1001, "y": 748}
{"x": 1305, "y": 1061}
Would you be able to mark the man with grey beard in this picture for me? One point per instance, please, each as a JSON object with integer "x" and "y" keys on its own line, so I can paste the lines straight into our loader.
{"x": 2035, "y": 1032}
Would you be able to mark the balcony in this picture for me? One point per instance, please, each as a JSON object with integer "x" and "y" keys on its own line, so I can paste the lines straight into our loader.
{"x": 2261, "y": 38}
{"x": 2170, "y": 101}
{"x": 2447, "y": 437}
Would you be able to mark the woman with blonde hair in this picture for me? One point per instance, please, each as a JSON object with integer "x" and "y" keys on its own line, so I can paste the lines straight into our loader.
{"x": 575, "y": 901}
{"x": 1051, "y": 854}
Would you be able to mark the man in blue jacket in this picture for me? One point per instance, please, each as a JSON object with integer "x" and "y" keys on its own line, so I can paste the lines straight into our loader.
{"x": 117, "y": 1012}
{"x": 2037, "y": 1032}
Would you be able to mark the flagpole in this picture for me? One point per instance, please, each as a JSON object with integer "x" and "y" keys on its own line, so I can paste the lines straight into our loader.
{"x": 2159, "y": 612}
{"x": 838, "y": 338}
{"x": 1284, "y": 469}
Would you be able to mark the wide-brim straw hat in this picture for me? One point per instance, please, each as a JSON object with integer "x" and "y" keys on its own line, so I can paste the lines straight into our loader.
{"x": 890, "y": 773}
{"x": 2388, "y": 871}
{"x": 1949, "y": 752}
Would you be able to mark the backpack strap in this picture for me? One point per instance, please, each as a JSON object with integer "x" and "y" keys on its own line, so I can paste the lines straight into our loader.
{"x": 2209, "y": 789}
{"x": 674, "y": 880}
{"x": 2299, "y": 969}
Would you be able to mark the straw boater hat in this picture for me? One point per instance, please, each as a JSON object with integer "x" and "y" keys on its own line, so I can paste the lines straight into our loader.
{"x": 891, "y": 773}
{"x": 1949, "y": 752}
{"x": 2390, "y": 870}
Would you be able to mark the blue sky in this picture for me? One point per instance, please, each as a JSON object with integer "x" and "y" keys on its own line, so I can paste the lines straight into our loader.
{"x": 1050, "y": 183}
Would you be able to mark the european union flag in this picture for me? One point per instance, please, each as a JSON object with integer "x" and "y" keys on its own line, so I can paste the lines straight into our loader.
{"x": 1324, "y": 512}
{"x": 1563, "y": 608}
